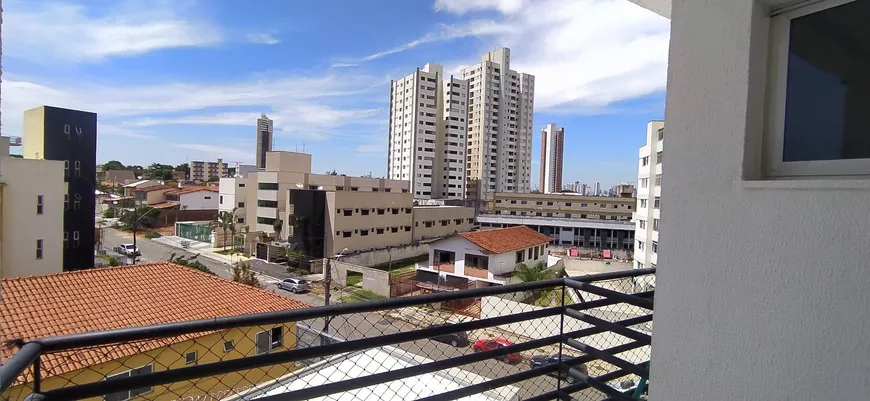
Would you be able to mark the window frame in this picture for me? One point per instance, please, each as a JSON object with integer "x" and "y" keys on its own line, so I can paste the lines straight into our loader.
{"x": 777, "y": 78}
{"x": 40, "y": 204}
{"x": 40, "y": 245}
{"x": 188, "y": 361}
{"x": 129, "y": 373}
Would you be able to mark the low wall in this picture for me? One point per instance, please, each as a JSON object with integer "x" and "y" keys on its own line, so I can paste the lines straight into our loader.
{"x": 374, "y": 280}
{"x": 383, "y": 256}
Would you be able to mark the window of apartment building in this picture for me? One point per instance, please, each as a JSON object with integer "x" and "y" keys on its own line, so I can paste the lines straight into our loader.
{"x": 584, "y": 205}
{"x": 267, "y": 203}
{"x": 265, "y": 220}
{"x": 39, "y": 249}
{"x": 339, "y": 188}
{"x": 78, "y": 168}
{"x": 221, "y": 199}
{"x": 658, "y": 180}
{"x": 65, "y": 201}
{"x": 394, "y": 230}
{"x": 657, "y": 202}
{"x": 381, "y": 211}
{"x": 39, "y": 203}
{"x": 656, "y": 224}
{"x": 268, "y": 340}
{"x": 659, "y": 156}
{"x": 364, "y": 212}
{"x": 229, "y": 346}
{"x": 268, "y": 186}
{"x": 65, "y": 240}
{"x": 241, "y": 204}
{"x": 644, "y": 161}
{"x": 444, "y": 223}
{"x": 241, "y": 220}
{"x": 643, "y": 203}
{"x": 190, "y": 358}
{"x": 66, "y": 168}
{"x": 407, "y": 210}
{"x": 364, "y": 232}
{"x": 655, "y": 247}
{"x": 641, "y": 224}
{"x": 644, "y": 182}
{"x": 816, "y": 122}
{"x": 640, "y": 245}
{"x": 347, "y": 212}
{"x": 407, "y": 228}
{"x": 379, "y": 231}
{"x": 129, "y": 394}
{"x": 661, "y": 133}
{"x": 470, "y": 220}
{"x": 241, "y": 185}
{"x": 354, "y": 188}
{"x": 345, "y": 234}
{"x": 75, "y": 239}
{"x": 395, "y": 211}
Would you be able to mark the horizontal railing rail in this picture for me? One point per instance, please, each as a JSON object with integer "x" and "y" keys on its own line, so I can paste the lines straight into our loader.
{"x": 562, "y": 321}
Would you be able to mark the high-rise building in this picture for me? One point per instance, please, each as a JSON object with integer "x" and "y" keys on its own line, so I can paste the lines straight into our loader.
{"x": 581, "y": 188}
{"x": 552, "y": 144}
{"x": 597, "y": 190}
{"x": 500, "y": 109}
{"x": 264, "y": 139}
{"x": 649, "y": 192}
{"x": 53, "y": 133}
{"x": 427, "y": 143}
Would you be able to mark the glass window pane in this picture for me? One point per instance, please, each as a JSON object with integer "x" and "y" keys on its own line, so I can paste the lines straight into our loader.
{"x": 828, "y": 86}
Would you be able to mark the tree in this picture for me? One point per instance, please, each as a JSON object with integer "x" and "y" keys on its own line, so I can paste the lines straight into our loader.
{"x": 142, "y": 216}
{"x": 538, "y": 272}
{"x": 189, "y": 262}
{"x": 181, "y": 167}
{"x": 333, "y": 172}
{"x": 162, "y": 174}
{"x": 278, "y": 225}
{"x": 242, "y": 273}
{"x": 226, "y": 222}
{"x": 113, "y": 165}
{"x": 214, "y": 178}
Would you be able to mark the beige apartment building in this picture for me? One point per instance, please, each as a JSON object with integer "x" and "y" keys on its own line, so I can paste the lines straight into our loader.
{"x": 324, "y": 214}
{"x": 439, "y": 221}
{"x": 32, "y": 238}
{"x": 564, "y": 205}
{"x": 203, "y": 171}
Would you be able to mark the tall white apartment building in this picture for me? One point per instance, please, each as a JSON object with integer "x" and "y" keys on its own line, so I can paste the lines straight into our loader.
{"x": 649, "y": 192}
{"x": 427, "y": 144}
{"x": 552, "y": 145}
{"x": 500, "y": 109}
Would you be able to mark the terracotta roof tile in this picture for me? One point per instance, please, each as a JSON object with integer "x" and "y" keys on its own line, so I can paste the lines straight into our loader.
{"x": 501, "y": 240}
{"x": 120, "y": 297}
{"x": 154, "y": 188}
{"x": 164, "y": 205}
{"x": 191, "y": 189}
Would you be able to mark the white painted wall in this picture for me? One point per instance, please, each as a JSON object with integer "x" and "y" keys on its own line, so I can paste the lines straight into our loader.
{"x": 199, "y": 200}
{"x": 762, "y": 291}
{"x": 498, "y": 264}
{"x": 20, "y": 224}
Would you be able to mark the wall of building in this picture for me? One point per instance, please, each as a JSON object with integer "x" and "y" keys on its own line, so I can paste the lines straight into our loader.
{"x": 209, "y": 349}
{"x": 233, "y": 195}
{"x": 384, "y": 256}
{"x": 288, "y": 161}
{"x": 200, "y": 200}
{"x": 381, "y": 226}
{"x": 374, "y": 280}
{"x": 21, "y": 226}
{"x": 757, "y": 285}
{"x": 574, "y": 206}
{"x": 439, "y": 221}
{"x": 649, "y": 190}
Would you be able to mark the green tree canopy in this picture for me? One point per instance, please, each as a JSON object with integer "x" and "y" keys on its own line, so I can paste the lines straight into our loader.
{"x": 113, "y": 165}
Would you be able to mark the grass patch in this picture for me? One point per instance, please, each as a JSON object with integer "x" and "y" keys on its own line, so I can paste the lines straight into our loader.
{"x": 403, "y": 265}
{"x": 152, "y": 234}
{"x": 359, "y": 295}
{"x": 354, "y": 278}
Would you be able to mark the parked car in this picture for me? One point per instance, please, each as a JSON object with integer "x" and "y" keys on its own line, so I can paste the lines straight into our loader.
{"x": 543, "y": 360}
{"x": 294, "y": 285}
{"x": 127, "y": 250}
{"x": 495, "y": 343}
{"x": 458, "y": 339}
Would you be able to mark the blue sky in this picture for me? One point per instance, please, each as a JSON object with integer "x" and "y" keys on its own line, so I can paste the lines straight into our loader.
{"x": 172, "y": 80}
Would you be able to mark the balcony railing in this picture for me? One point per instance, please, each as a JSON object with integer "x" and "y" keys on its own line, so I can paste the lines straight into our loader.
{"x": 585, "y": 338}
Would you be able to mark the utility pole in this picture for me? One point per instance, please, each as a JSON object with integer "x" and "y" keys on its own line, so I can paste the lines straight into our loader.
{"x": 327, "y": 278}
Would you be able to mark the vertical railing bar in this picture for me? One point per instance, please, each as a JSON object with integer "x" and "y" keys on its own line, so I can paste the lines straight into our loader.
{"x": 562, "y": 366}
{"x": 37, "y": 374}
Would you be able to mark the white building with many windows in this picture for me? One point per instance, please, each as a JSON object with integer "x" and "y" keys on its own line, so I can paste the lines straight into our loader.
{"x": 649, "y": 192}
{"x": 427, "y": 143}
{"x": 500, "y": 108}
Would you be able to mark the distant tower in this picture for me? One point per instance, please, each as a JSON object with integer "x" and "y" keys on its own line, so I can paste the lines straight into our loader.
{"x": 597, "y": 188}
{"x": 552, "y": 143}
{"x": 264, "y": 139}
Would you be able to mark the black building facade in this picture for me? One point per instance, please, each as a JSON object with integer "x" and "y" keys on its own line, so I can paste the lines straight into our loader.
{"x": 70, "y": 136}
{"x": 308, "y": 221}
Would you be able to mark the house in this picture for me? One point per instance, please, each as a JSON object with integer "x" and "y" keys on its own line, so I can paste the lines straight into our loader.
{"x": 116, "y": 176}
{"x": 152, "y": 195}
{"x": 485, "y": 256}
{"x": 130, "y": 188}
{"x": 194, "y": 197}
{"x": 132, "y": 296}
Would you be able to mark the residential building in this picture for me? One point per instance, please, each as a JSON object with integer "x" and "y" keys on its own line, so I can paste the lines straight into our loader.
{"x": 205, "y": 171}
{"x": 323, "y": 214}
{"x": 552, "y": 146}
{"x": 264, "y": 139}
{"x": 427, "y": 143}
{"x": 126, "y": 297}
{"x": 120, "y": 177}
{"x": 439, "y": 221}
{"x": 53, "y": 133}
{"x": 580, "y": 188}
{"x": 232, "y": 196}
{"x": 596, "y": 191}
{"x": 131, "y": 188}
{"x": 649, "y": 192}
{"x": 31, "y": 215}
{"x": 152, "y": 195}
{"x": 500, "y": 112}
{"x": 567, "y": 205}
{"x": 483, "y": 257}
{"x": 194, "y": 197}
{"x": 587, "y": 234}
{"x": 766, "y": 116}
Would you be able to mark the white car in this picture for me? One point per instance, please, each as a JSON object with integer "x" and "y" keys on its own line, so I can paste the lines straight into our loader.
{"x": 127, "y": 250}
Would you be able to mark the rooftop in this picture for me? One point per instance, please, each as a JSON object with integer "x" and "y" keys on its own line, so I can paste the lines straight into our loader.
{"x": 121, "y": 297}
{"x": 501, "y": 240}
{"x": 192, "y": 189}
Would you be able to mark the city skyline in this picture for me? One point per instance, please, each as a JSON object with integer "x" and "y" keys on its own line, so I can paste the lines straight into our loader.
{"x": 187, "y": 89}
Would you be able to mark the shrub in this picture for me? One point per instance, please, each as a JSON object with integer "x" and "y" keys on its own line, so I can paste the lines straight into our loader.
{"x": 152, "y": 235}
{"x": 113, "y": 261}
{"x": 109, "y": 213}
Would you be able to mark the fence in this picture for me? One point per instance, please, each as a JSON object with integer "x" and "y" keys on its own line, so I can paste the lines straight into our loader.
{"x": 195, "y": 231}
{"x": 364, "y": 353}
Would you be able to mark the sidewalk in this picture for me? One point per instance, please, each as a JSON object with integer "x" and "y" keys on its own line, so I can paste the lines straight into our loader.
{"x": 204, "y": 249}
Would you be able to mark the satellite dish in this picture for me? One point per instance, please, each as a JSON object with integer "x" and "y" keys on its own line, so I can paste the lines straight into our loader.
{"x": 299, "y": 186}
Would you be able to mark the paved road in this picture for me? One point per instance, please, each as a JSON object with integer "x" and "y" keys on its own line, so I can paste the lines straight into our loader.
{"x": 353, "y": 327}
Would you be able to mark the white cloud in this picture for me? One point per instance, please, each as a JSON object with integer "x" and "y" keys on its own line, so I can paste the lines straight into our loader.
{"x": 114, "y": 130}
{"x": 263, "y": 38}
{"x": 212, "y": 151}
{"x": 584, "y": 55}
{"x": 52, "y": 32}
{"x": 344, "y": 65}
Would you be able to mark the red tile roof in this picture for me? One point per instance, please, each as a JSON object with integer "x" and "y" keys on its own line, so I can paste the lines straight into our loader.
{"x": 120, "y": 297}
{"x": 164, "y": 205}
{"x": 154, "y": 188}
{"x": 191, "y": 189}
{"x": 501, "y": 240}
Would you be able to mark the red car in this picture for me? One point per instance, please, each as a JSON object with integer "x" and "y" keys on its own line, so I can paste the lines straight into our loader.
{"x": 491, "y": 344}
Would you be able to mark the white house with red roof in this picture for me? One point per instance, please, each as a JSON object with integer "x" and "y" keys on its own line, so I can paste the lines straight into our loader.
{"x": 485, "y": 256}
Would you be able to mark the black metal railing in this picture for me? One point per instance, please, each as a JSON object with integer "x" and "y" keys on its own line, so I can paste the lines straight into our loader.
{"x": 584, "y": 337}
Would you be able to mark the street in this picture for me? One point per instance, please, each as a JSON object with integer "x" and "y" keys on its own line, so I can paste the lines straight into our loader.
{"x": 356, "y": 326}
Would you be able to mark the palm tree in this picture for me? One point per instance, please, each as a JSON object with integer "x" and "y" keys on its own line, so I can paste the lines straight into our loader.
{"x": 538, "y": 272}
{"x": 226, "y": 222}
{"x": 278, "y": 225}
